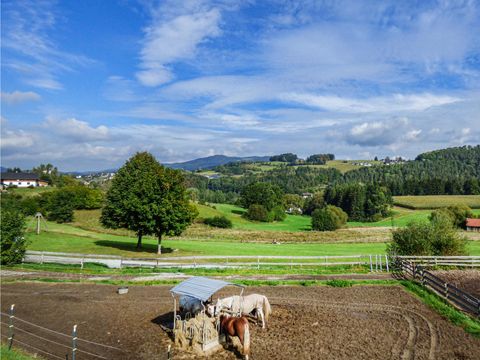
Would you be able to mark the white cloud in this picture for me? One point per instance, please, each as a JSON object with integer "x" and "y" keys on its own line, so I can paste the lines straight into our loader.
{"x": 77, "y": 130}
{"x": 26, "y": 27}
{"x": 16, "y": 97}
{"x": 16, "y": 140}
{"x": 382, "y": 133}
{"x": 170, "y": 40}
{"x": 393, "y": 103}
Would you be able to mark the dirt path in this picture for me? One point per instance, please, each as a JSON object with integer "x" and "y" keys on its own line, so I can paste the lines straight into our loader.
{"x": 361, "y": 322}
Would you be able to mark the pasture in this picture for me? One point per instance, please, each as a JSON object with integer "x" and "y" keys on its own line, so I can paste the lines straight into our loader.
{"x": 436, "y": 201}
{"x": 358, "y": 322}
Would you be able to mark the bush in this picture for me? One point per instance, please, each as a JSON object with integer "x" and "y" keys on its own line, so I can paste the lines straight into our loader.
{"x": 438, "y": 237}
{"x": 13, "y": 243}
{"x": 329, "y": 218}
{"x": 457, "y": 214}
{"x": 257, "y": 213}
{"x": 278, "y": 213}
{"x": 60, "y": 207}
{"x": 219, "y": 221}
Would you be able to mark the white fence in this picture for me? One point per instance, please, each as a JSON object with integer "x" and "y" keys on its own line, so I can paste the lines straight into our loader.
{"x": 374, "y": 262}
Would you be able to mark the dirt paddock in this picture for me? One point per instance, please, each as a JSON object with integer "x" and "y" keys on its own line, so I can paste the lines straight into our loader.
{"x": 361, "y": 322}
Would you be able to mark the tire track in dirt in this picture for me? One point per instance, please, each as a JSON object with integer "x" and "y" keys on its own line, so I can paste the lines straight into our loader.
{"x": 409, "y": 350}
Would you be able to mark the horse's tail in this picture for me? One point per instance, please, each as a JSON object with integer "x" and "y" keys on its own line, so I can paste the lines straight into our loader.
{"x": 267, "y": 309}
{"x": 246, "y": 340}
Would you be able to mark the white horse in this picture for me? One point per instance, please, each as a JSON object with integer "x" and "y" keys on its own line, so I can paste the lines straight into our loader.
{"x": 244, "y": 305}
{"x": 189, "y": 304}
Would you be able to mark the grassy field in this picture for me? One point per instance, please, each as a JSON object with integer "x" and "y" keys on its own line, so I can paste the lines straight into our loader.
{"x": 15, "y": 354}
{"x": 30, "y": 192}
{"x": 436, "y": 201}
{"x": 69, "y": 238}
{"x": 400, "y": 217}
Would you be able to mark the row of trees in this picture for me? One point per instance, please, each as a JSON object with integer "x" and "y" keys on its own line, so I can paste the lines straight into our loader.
{"x": 57, "y": 204}
{"x": 361, "y": 202}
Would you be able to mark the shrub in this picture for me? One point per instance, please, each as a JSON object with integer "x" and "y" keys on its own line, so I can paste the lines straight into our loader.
{"x": 257, "y": 213}
{"x": 60, "y": 207}
{"x": 219, "y": 221}
{"x": 438, "y": 237}
{"x": 13, "y": 243}
{"x": 456, "y": 214}
{"x": 278, "y": 213}
{"x": 329, "y": 218}
{"x": 339, "y": 283}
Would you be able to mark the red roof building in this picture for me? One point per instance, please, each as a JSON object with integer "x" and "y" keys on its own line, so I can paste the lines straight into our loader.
{"x": 473, "y": 224}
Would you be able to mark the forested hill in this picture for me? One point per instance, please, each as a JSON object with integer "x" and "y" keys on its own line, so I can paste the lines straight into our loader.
{"x": 449, "y": 171}
{"x": 454, "y": 171}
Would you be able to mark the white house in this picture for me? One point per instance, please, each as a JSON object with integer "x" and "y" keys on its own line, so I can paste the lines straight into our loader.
{"x": 21, "y": 179}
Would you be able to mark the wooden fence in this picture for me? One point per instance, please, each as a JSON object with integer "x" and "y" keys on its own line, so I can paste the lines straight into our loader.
{"x": 451, "y": 293}
{"x": 429, "y": 261}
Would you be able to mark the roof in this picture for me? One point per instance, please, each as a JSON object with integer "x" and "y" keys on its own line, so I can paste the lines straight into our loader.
{"x": 18, "y": 176}
{"x": 473, "y": 222}
{"x": 200, "y": 287}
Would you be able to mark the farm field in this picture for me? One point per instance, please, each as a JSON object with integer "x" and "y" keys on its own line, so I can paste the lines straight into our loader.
{"x": 436, "y": 201}
{"x": 360, "y": 322}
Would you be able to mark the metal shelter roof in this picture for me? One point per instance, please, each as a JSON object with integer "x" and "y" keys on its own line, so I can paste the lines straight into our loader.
{"x": 200, "y": 287}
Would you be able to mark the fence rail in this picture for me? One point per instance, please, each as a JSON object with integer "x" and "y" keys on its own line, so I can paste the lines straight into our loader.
{"x": 456, "y": 296}
{"x": 374, "y": 262}
{"x": 428, "y": 261}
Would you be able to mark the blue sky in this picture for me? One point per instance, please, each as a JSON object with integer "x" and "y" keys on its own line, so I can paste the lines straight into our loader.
{"x": 85, "y": 84}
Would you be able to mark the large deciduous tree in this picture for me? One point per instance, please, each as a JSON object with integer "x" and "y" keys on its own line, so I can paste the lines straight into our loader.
{"x": 148, "y": 199}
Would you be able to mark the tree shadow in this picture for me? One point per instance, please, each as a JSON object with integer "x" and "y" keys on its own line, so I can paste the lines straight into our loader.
{"x": 238, "y": 212}
{"x": 149, "y": 248}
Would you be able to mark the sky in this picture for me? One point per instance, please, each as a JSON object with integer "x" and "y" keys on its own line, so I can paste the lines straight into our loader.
{"x": 86, "y": 84}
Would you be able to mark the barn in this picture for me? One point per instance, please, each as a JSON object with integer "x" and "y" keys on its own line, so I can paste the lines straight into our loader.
{"x": 472, "y": 224}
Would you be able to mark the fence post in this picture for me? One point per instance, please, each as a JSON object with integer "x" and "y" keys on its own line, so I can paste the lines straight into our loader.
{"x": 74, "y": 342}
{"x": 10, "y": 327}
{"x": 386, "y": 262}
{"x": 423, "y": 277}
{"x": 371, "y": 265}
{"x": 168, "y": 352}
{"x": 121, "y": 260}
{"x": 81, "y": 264}
{"x": 380, "y": 261}
{"x": 258, "y": 262}
{"x": 41, "y": 261}
{"x": 446, "y": 290}
{"x": 376, "y": 262}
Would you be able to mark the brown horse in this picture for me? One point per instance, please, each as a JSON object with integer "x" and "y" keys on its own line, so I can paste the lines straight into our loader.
{"x": 237, "y": 326}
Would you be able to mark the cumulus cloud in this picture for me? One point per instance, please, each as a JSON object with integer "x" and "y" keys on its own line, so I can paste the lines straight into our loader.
{"x": 381, "y": 133}
{"x": 170, "y": 40}
{"x": 16, "y": 97}
{"x": 77, "y": 130}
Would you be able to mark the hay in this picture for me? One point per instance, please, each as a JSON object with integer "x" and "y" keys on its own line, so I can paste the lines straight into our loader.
{"x": 189, "y": 334}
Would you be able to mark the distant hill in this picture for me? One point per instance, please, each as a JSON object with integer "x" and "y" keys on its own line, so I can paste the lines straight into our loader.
{"x": 212, "y": 161}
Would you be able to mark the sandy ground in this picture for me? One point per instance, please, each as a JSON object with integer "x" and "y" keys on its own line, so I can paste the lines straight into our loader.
{"x": 361, "y": 322}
